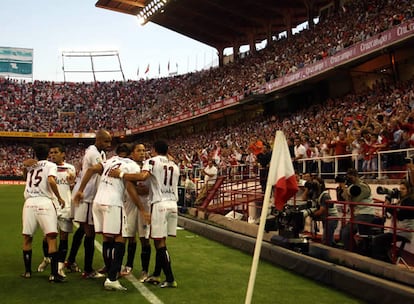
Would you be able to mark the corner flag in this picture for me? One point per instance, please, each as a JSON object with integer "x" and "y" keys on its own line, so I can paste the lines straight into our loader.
{"x": 282, "y": 176}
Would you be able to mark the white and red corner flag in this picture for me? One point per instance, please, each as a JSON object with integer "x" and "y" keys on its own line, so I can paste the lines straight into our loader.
{"x": 282, "y": 177}
{"x": 281, "y": 173}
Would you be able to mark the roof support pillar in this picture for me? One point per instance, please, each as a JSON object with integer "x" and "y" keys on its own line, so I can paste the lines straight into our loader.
{"x": 337, "y": 5}
{"x": 220, "y": 53}
{"x": 236, "y": 51}
{"x": 269, "y": 34}
{"x": 309, "y": 8}
{"x": 252, "y": 42}
{"x": 288, "y": 21}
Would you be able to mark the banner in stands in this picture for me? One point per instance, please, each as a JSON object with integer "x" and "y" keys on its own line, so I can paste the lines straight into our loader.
{"x": 46, "y": 135}
{"x": 373, "y": 44}
{"x": 218, "y": 105}
{"x": 12, "y": 182}
{"x": 16, "y": 62}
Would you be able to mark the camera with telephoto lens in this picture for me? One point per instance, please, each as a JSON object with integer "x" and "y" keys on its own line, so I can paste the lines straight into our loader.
{"x": 342, "y": 179}
{"x": 290, "y": 221}
{"x": 389, "y": 193}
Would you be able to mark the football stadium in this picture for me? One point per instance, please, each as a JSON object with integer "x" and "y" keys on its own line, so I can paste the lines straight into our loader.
{"x": 286, "y": 172}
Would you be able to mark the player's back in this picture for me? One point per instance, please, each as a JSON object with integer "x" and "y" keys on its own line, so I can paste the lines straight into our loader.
{"x": 164, "y": 179}
{"x": 37, "y": 184}
{"x": 111, "y": 190}
{"x": 92, "y": 157}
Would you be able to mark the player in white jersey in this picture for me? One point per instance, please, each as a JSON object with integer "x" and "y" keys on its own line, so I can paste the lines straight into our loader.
{"x": 136, "y": 221}
{"x": 163, "y": 175}
{"x": 109, "y": 216}
{"x": 38, "y": 209}
{"x": 94, "y": 154}
{"x": 65, "y": 181}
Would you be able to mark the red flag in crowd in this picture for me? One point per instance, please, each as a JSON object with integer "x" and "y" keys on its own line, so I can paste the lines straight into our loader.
{"x": 147, "y": 69}
{"x": 281, "y": 173}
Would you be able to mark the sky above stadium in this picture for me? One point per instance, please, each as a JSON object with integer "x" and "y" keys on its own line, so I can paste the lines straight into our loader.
{"x": 50, "y": 27}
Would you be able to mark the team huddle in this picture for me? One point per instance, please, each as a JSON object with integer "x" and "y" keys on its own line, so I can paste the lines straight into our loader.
{"x": 119, "y": 198}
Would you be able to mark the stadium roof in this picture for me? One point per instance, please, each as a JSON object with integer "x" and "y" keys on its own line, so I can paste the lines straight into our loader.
{"x": 224, "y": 23}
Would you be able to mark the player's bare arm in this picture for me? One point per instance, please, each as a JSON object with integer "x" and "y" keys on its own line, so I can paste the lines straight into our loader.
{"x": 132, "y": 191}
{"x": 171, "y": 158}
{"x": 71, "y": 179}
{"x": 96, "y": 169}
{"x": 52, "y": 182}
{"x": 133, "y": 177}
{"x": 29, "y": 162}
{"x": 142, "y": 189}
{"x": 26, "y": 164}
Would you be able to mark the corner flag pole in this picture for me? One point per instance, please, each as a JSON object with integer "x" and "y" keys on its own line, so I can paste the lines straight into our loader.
{"x": 279, "y": 163}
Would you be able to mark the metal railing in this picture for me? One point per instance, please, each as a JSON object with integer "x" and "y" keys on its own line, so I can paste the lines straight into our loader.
{"x": 390, "y": 226}
{"x": 383, "y": 164}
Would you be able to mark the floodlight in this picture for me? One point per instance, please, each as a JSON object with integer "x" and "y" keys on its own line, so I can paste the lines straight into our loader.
{"x": 141, "y": 20}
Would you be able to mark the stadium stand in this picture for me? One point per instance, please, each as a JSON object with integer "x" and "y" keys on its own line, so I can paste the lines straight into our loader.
{"x": 382, "y": 112}
{"x": 156, "y": 100}
{"x": 385, "y": 111}
{"x": 373, "y": 119}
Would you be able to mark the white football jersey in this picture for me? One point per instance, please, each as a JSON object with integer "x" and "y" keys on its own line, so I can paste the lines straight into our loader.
{"x": 111, "y": 190}
{"x": 92, "y": 157}
{"x": 163, "y": 180}
{"x": 63, "y": 172}
{"x": 37, "y": 184}
{"x": 128, "y": 203}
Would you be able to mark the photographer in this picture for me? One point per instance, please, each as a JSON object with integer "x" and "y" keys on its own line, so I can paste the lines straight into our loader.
{"x": 310, "y": 188}
{"x": 341, "y": 188}
{"x": 382, "y": 244}
{"x": 358, "y": 192}
{"x": 324, "y": 210}
{"x": 263, "y": 159}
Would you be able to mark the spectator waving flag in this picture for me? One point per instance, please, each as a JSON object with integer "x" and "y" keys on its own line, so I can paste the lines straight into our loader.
{"x": 147, "y": 69}
{"x": 281, "y": 174}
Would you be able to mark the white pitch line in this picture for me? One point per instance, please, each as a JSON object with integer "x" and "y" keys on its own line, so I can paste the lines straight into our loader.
{"x": 146, "y": 293}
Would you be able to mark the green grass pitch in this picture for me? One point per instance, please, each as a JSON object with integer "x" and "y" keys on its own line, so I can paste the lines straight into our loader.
{"x": 206, "y": 272}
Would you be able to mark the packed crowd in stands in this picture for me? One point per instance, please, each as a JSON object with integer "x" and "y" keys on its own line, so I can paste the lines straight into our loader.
{"x": 84, "y": 107}
{"x": 379, "y": 118}
{"x": 13, "y": 155}
{"x": 382, "y": 118}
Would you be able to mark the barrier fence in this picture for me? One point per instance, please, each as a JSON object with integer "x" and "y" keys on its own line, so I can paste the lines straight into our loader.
{"x": 390, "y": 164}
{"x": 385, "y": 222}
{"x": 381, "y": 165}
